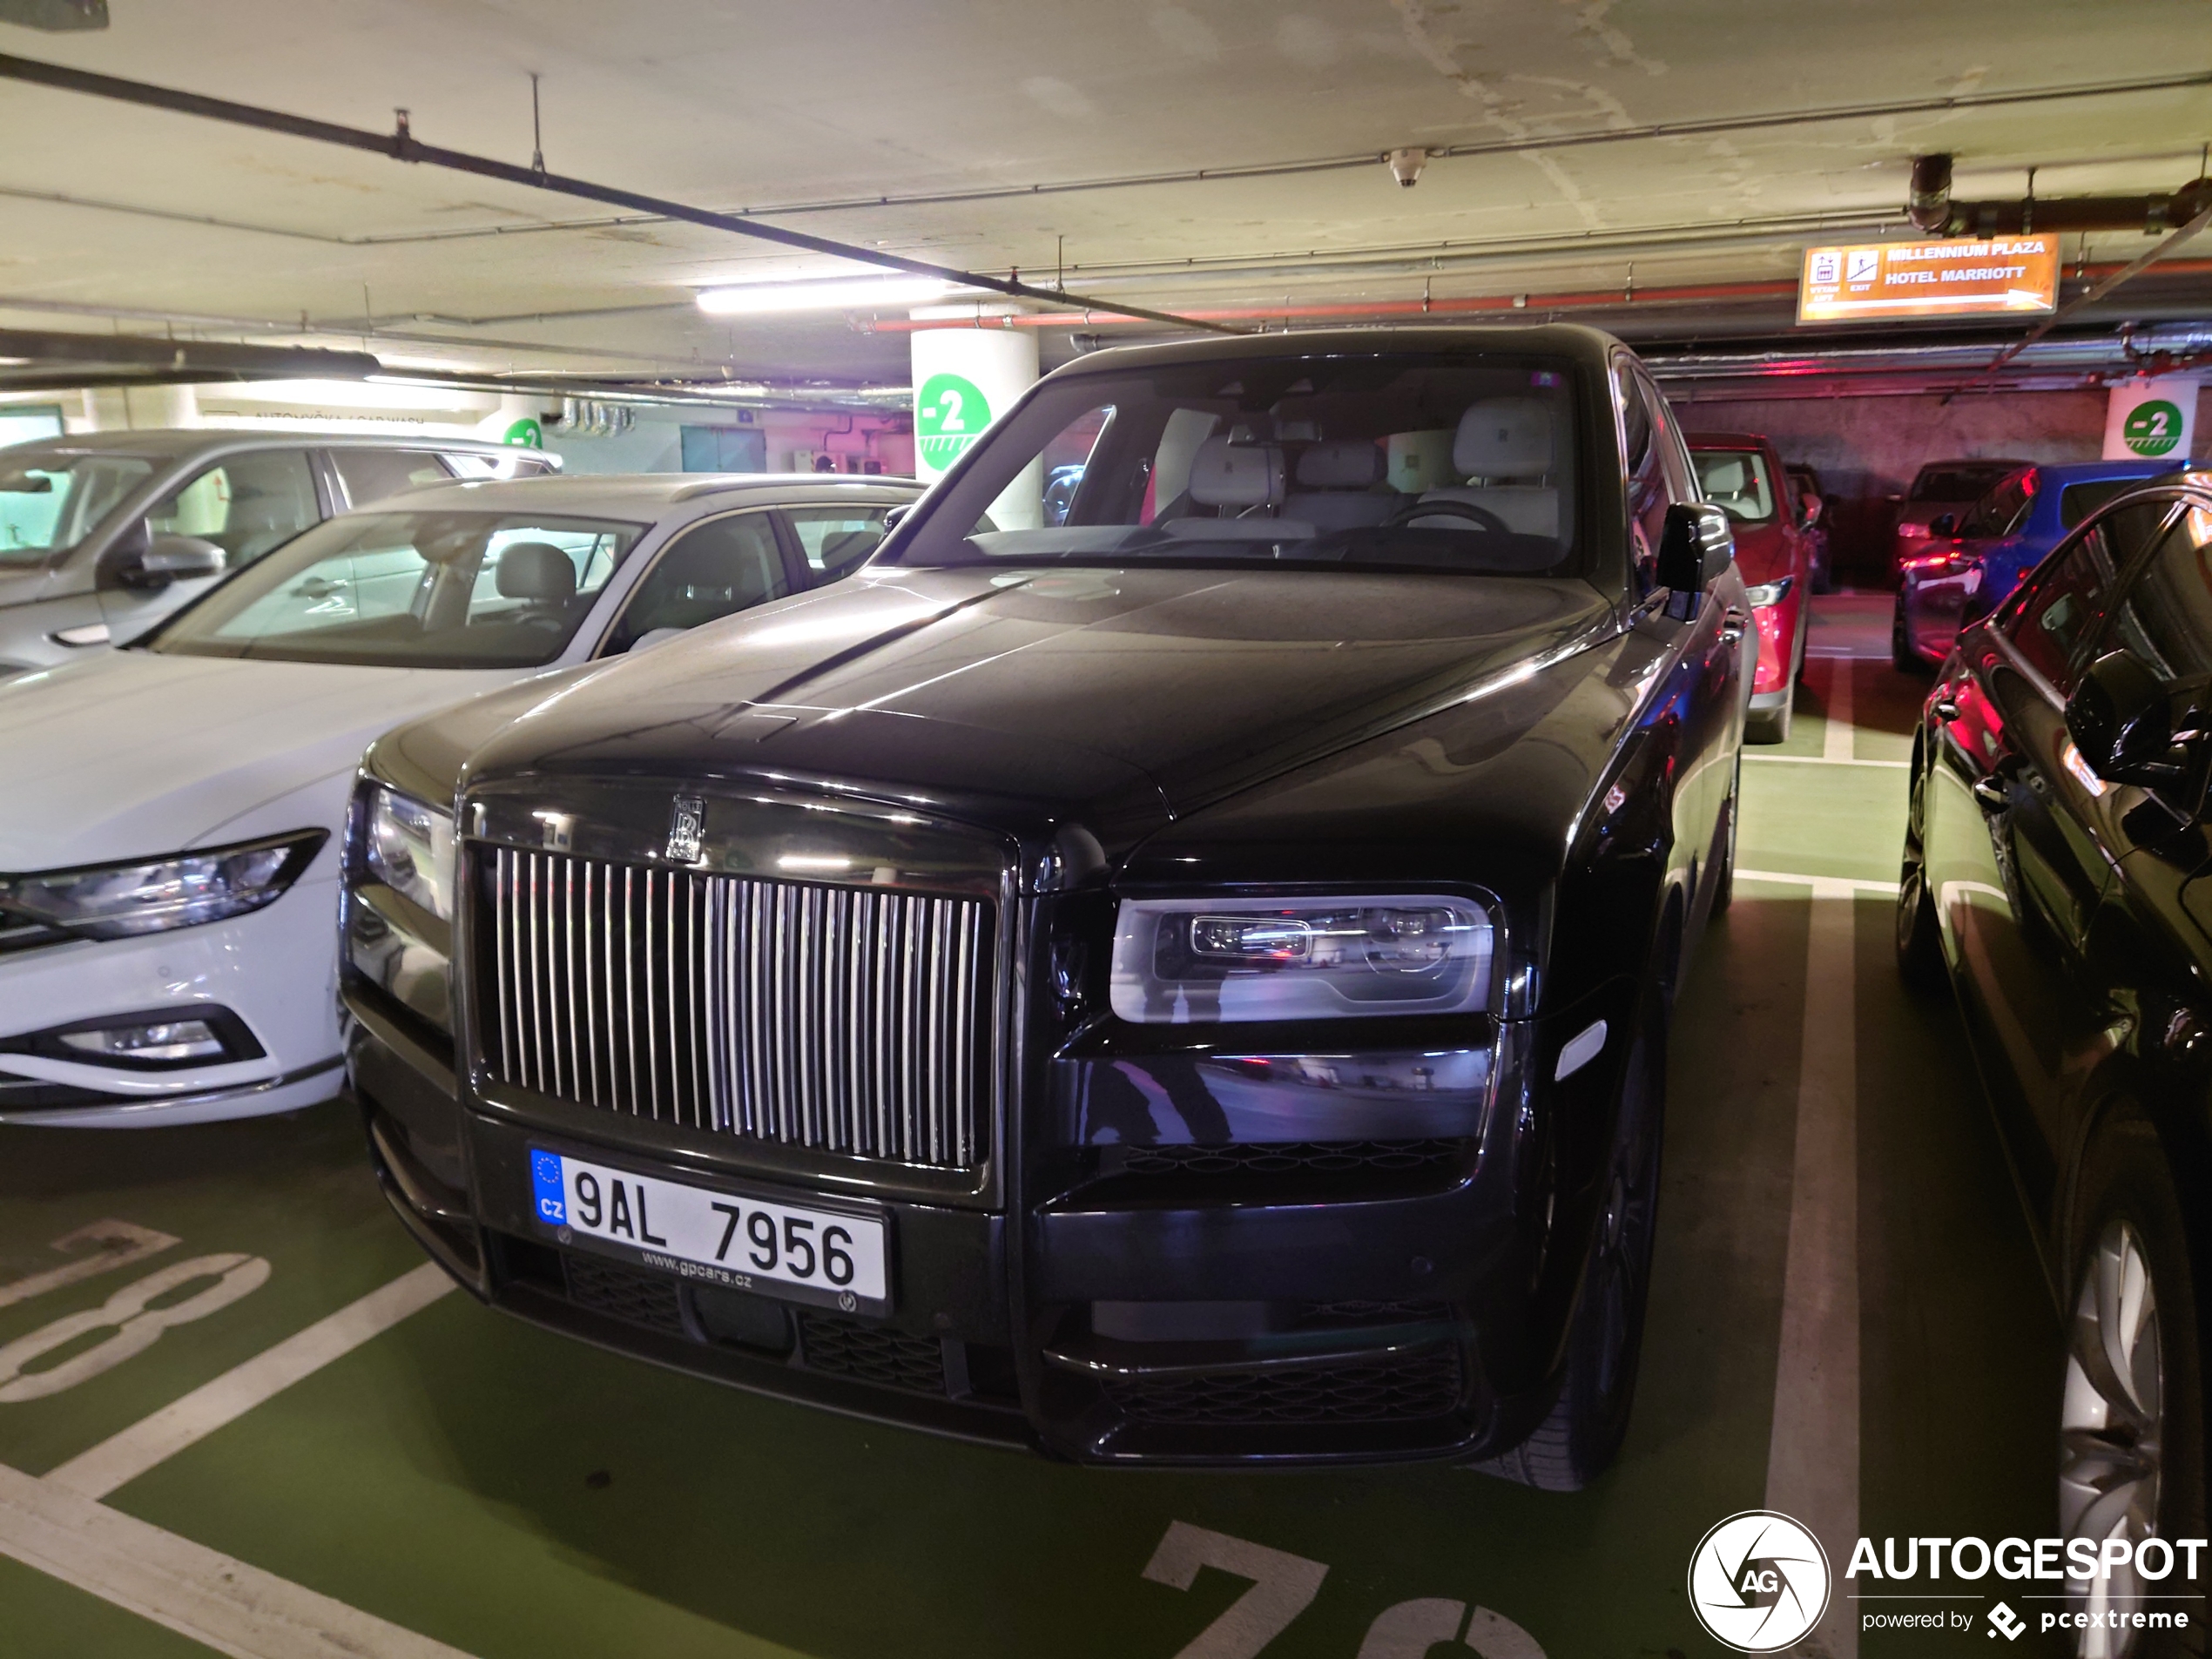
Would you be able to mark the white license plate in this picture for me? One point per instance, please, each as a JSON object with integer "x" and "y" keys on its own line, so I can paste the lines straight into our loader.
{"x": 832, "y": 1258}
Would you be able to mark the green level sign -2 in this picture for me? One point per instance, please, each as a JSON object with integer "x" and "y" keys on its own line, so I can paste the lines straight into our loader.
{"x": 950, "y": 414}
{"x": 2152, "y": 429}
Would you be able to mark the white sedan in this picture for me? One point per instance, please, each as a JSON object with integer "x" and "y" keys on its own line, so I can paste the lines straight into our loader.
{"x": 171, "y": 818}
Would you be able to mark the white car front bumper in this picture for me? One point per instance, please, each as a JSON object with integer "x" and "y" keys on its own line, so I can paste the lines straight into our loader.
{"x": 276, "y": 969}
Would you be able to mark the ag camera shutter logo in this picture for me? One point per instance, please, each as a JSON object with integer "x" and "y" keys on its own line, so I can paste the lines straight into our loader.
{"x": 1758, "y": 1582}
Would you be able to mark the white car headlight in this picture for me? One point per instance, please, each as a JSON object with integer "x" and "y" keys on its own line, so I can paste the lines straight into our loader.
{"x": 409, "y": 846}
{"x": 1770, "y": 593}
{"x": 122, "y": 900}
{"x": 1179, "y": 961}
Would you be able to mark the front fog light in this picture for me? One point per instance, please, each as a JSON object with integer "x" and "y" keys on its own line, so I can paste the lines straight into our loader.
{"x": 166, "y": 1040}
{"x": 1178, "y": 961}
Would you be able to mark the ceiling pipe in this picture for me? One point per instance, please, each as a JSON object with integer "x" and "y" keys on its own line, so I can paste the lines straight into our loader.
{"x": 1929, "y": 206}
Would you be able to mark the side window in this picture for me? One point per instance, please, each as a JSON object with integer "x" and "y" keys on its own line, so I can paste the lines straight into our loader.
{"x": 712, "y": 571}
{"x": 1673, "y": 450}
{"x": 245, "y": 505}
{"x": 2165, "y": 620}
{"x": 836, "y": 538}
{"x": 1996, "y": 513}
{"x": 371, "y": 475}
{"x": 2050, "y": 617}
{"x": 1647, "y": 497}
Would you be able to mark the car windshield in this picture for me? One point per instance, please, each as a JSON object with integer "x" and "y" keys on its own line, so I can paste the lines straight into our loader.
{"x": 444, "y": 590}
{"x": 49, "y": 502}
{"x": 1736, "y": 482}
{"x": 1391, "y": 460}
{"x": 1956, "y": 483}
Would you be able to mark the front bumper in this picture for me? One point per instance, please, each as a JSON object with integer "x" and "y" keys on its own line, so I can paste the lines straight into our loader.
{"x": 1353, "y": 1301}
{"x": 275, "y": 969}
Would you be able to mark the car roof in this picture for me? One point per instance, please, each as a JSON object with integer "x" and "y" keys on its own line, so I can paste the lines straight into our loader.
{"x": 645, "y": 494}
{"x": 2089, "y": 472}
{"x": 162, "y": 442}
{"x": 1561, "y": 339}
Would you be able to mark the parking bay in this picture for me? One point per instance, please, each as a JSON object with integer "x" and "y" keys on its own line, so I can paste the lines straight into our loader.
{"x": 505, "y": 1492}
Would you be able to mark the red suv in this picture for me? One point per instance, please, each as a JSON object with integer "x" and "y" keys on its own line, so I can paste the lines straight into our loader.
{"x": 1741, "y": 473}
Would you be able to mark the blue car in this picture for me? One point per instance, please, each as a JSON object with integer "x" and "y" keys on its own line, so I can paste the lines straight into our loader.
{"x": 1971, "y": 563}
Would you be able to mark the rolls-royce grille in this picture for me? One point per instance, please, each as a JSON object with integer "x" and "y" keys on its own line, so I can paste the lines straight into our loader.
{"x": 853, "y": 1020}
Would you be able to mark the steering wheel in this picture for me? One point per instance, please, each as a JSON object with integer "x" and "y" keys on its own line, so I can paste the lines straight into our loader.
{"x": 1482, "y": 518}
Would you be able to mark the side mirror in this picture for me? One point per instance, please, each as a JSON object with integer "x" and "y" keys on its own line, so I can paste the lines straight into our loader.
{"x": 892, "y": 517}
{"x": 653, "y": 637}
{"x": 2121, "y": 719}
{"x": 1696, "y": 548}
{"x": 182, "y": 558}
{"x": 1944, "y": 524}
{"x": 1812, "y": 508}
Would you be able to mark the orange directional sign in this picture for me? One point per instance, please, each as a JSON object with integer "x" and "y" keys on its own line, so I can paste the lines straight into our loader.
{"x": 2010, "y": 275}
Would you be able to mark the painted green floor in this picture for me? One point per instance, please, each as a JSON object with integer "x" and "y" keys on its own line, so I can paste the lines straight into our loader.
{"x": 512, "y": 1493}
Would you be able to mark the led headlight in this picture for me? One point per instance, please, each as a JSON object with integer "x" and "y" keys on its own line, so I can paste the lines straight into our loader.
{"x": 1770, "y": 593}
{"x": 409, "y": 846}
{"x": 149, "y": 896}
{"x": 1179, "y": 961}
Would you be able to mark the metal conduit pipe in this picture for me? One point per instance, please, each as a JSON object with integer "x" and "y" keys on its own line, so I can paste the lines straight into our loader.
{"x": 1929, "y": 206}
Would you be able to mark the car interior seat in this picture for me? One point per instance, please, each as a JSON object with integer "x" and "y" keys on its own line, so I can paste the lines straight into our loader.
{"x": 540, "y": 574}
{"x": 1503, "y": 448}
{"x": 1341, "y": 487}
{"x": 1244, "y": 485}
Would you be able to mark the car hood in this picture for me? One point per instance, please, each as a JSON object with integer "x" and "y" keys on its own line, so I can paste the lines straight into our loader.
{"x": 1117, "y": 700}
{"x": 130, "y": 753}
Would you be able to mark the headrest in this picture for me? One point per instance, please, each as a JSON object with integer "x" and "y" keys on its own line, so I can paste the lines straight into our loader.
{"x": 1504, "y": 437}
{"x": 1242, "y": 475}
{"x": 1344, "y": 465}
{"x": 1730, "y": 477}
{"x": 536, "y": 571}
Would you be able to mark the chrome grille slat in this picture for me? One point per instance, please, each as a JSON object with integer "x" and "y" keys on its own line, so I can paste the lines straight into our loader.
{"x": 849, "y": 1020}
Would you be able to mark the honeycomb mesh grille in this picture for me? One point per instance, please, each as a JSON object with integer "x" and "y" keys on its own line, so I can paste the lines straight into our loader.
{"x": 1394, "y": 1389}
{"x": 873, "y": 1354}
{"x": 621, "y": 1294}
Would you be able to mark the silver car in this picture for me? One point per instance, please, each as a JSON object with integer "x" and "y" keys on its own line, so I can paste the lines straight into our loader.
{"x": 103, "y": 536}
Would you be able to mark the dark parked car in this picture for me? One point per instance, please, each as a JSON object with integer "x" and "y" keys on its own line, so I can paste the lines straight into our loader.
{"x": 2057, "y": 858}
{"x": 1970, "y": 563}
{"x": 1188, "y": 984}
{"x": 103, "y": 536}
{"x": 1741, "y": 474}
{"x": 1939, "y": 488}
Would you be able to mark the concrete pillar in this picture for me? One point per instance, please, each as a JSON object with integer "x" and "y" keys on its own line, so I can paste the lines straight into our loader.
{"x": 147, "y": 408}
{"x": 965, "y": 379}
{"x": 519, "y": 419}
{"x": 2152, "y": 417}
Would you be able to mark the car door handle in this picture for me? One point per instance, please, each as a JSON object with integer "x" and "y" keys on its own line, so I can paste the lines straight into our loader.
{"x": 1732, "y": 625}
{"x": 1990, "y": 794}
{"x": 1947, "y": 711}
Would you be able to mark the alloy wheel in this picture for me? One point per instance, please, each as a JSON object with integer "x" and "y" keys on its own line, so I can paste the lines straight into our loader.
{"x": 2111, "y": 1425}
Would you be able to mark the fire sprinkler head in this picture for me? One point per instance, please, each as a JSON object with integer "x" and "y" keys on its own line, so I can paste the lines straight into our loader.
{"x": 1406, "y": 166}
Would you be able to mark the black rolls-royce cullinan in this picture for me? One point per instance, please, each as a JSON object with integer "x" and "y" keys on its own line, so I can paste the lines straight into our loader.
{"x": 1184, "y": 982}
{"x": 2057, "y": 861}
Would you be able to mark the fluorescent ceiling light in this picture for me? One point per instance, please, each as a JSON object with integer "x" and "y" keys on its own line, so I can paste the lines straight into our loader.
{"x": 842, "y": 293}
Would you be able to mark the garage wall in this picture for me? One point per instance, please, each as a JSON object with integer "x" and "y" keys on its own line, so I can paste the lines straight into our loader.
{"x": 1867, "y": 448}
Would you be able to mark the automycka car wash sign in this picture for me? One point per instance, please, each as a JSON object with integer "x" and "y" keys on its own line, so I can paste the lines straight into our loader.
{"x": 2008, "y": 275}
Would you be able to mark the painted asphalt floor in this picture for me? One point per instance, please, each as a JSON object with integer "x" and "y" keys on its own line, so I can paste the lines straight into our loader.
{"x": 462, "y": 1482}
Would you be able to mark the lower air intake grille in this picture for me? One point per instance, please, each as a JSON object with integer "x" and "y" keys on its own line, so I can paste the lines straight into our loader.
{"x": 1291, "y": 1157}
{"x": 853, "y": 1020}
{"x": 873, "y": 1354}
{"x": 1393, "y": 1390}
{"x": 622, "y": 1293}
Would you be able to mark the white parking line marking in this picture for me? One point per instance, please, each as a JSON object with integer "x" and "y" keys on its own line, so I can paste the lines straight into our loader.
{"x": 1826, "y": 760}
{"x": 1790, "y": 879}
{"x": 126, "y": 1455}
{"x": 121, "y": 1243}
{"x": 1835, "y": 741}
{"x": 195, "y": 1591}
{"x": 1812, "y": 1457}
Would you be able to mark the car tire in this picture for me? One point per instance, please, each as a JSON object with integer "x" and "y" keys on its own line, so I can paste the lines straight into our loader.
{"x": 1772, "y": 725}
{"x": 2131, "y": 1432}
{"x": 1907, "y": 660}
{"x": 1919, "y": 943}
{"x": 1725, "y": 882}
{"x": 1579, "y": 1438}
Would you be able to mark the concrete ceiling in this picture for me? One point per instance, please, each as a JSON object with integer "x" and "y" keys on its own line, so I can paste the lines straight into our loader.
{"x": 952, "y": 132}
